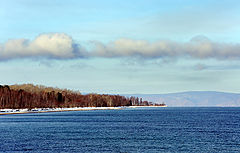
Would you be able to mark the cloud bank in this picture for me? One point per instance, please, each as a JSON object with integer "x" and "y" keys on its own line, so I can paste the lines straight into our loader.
{"x": 62, "y": 46}
{"x": 198, "y": 47}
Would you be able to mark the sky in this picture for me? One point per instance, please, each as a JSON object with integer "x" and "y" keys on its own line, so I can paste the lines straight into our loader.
{"x": 120, "y": 46}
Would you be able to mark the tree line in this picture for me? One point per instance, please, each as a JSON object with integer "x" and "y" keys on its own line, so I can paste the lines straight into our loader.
{"x": 31, "y": 96}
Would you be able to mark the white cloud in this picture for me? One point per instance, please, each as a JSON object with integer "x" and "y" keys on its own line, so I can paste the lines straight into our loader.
{"x": 57, "y": 45}
{"x": 52, "y": 45}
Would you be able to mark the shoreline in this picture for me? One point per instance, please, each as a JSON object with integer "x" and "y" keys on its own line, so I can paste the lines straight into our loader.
{"x": 47, "y": 110}
{"x": 145, "y": 106}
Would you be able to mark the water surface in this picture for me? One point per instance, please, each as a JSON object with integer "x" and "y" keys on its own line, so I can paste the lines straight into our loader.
{"x": 129, "y": 130}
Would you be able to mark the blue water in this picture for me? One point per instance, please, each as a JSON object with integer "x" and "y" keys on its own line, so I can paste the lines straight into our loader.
{"x": 129, "y": 130}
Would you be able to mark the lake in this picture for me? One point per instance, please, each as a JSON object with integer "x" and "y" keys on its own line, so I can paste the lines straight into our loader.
{"x": 166, "y": 129}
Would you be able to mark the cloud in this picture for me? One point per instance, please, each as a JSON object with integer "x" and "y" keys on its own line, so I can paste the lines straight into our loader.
{"x": 51, "y": 45}
{"x": 62, "y": 46}
{"x": 198, "y": 47}
{"x": 141, "y": 48}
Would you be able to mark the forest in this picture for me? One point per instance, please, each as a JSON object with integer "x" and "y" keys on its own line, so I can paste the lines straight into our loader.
{"x": 35, "y": 96}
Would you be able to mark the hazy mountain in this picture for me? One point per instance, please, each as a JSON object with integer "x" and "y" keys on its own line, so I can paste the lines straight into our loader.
{"x": 194, "y": 98}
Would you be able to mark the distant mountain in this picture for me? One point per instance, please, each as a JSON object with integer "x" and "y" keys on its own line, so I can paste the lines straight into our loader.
{"x": 194, "y": 99}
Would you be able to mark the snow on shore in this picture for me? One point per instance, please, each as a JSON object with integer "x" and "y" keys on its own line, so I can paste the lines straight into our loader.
{"x": 145, "y": 106}
{"x": 40, "y": 110}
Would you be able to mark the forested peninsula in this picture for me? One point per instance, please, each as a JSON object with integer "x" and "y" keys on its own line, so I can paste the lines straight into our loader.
{"x": 38, "y": 96}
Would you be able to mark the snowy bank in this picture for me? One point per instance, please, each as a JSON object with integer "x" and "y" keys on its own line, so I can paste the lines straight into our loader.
{"x": 42, "y": 110}
{"x": 145, "y": 106}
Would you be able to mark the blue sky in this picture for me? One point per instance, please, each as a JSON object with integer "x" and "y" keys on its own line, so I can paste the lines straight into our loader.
{"x": 118, "y": 46}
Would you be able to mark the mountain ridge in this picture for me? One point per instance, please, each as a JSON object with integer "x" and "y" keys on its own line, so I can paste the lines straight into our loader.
{"x": 194, "y": 99}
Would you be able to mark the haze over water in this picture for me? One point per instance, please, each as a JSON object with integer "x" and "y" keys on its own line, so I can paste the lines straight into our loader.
{"x": 129, "y": 130}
